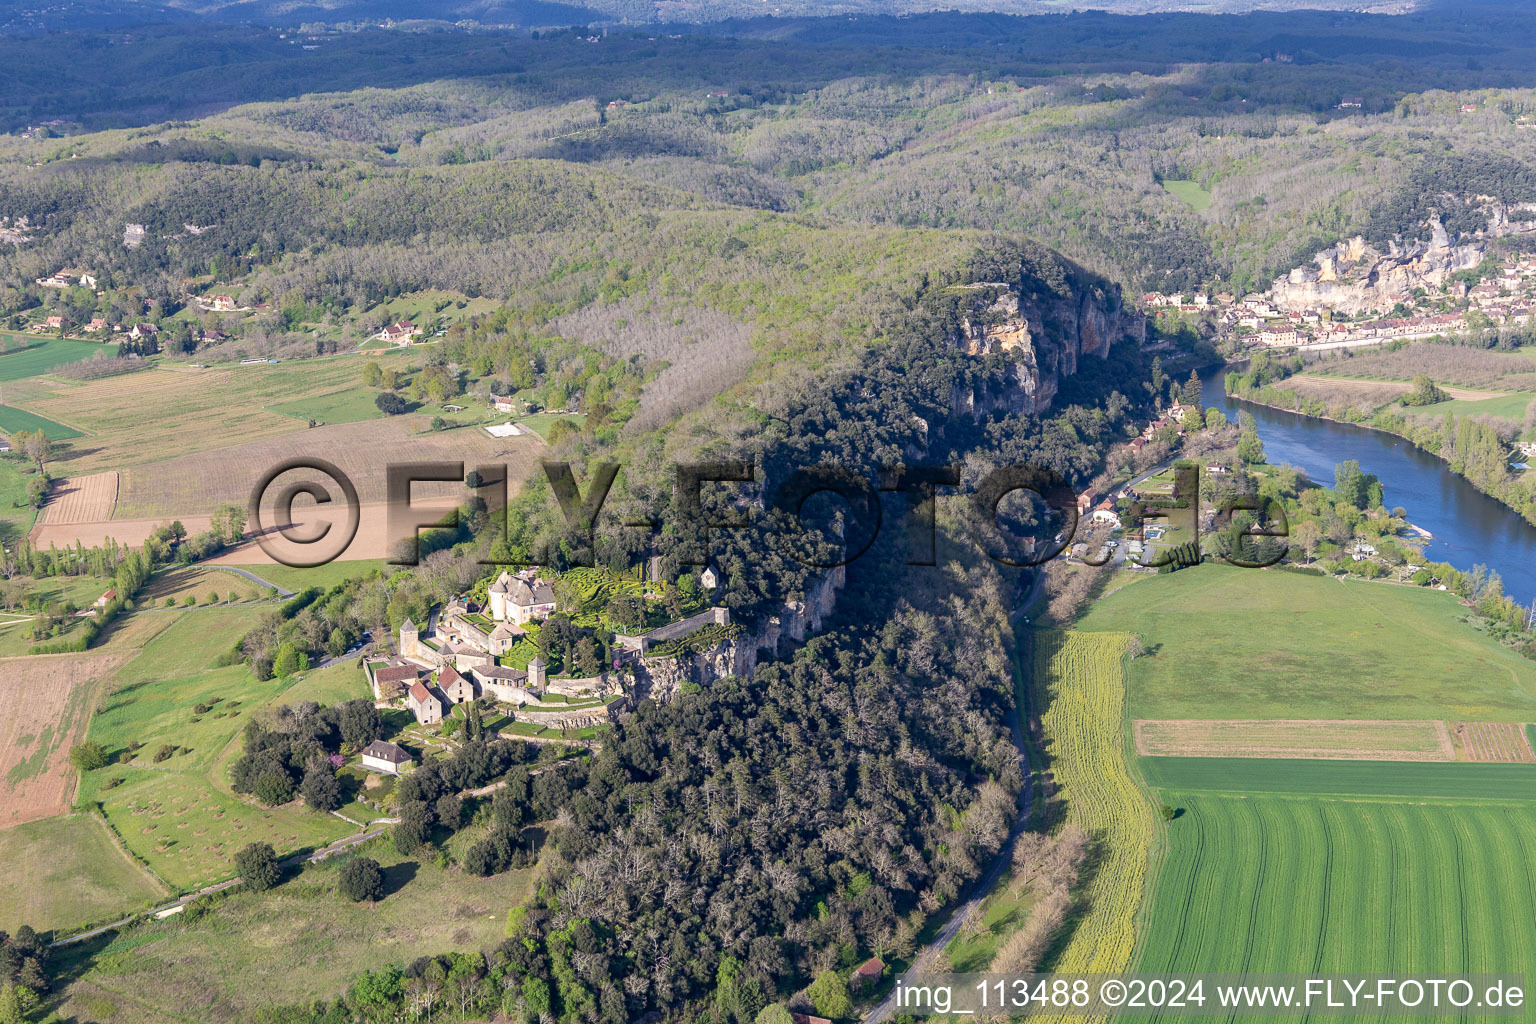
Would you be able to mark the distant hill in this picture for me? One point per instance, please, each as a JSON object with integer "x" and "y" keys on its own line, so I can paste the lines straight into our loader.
{"x": 50, "y": 15}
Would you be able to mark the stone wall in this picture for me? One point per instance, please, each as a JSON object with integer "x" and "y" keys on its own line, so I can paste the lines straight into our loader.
{"x": 662, "y": 678}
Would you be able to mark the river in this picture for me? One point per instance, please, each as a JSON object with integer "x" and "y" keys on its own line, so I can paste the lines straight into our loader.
{"x": 1468, "y": 526}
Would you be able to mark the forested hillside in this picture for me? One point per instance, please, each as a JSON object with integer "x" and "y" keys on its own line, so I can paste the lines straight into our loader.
{"x": 726, "y": 848}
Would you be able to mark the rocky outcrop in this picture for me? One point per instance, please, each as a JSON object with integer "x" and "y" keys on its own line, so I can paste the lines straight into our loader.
{"x": 570, "y": 718}
{"x": 1042, "y": 332}
{"x": 1354, "y": 277}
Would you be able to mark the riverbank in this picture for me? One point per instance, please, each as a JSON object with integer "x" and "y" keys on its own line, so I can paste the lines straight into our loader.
{"x": 1458, "y": 523}
{"x": 1473, "y": 443}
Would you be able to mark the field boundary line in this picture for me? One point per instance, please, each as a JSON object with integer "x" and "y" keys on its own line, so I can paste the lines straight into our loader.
{"x": 117, "y": 844}
{"x": 1157, "y": 854}
{"x": 1148, "y": 744}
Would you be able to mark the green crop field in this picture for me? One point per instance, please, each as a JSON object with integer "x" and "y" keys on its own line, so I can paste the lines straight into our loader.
{"x": 1224, "y": 642}
{"x": 1189, "y": 193}
{"x": 41, "y": 355}
{"x": 1485, "y": 781}
{"x": 74, "y": 875}
{"x": 13, "y": 419}
{"x": 1282, "y": 884}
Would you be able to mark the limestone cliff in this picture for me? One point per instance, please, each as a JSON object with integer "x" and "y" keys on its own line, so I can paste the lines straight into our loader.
{"x": 1042, "y": 332}
{"x": 1354, "y": 277}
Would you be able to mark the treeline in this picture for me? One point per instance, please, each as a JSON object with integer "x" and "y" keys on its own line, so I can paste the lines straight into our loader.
{"x": 24, "y": 973}
{"x": 132, "y": 572}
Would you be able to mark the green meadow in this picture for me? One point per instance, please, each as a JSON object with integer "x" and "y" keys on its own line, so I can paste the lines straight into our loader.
{"x": 75, "y": 874}
{"x": 297, "y": 942}
{"x": 1189, "y": 193}
{"x": 1509, "y": 407}
{"x": 179, "y": 814}
{"x": 323, "y": 576}
{"x": 1224, "y": 642}
{"x": 346, "y": 406}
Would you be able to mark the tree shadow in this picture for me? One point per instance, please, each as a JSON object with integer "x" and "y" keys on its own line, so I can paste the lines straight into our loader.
{"x": 398, "y": 876}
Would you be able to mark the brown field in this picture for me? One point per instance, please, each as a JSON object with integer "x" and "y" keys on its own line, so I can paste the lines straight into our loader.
{"x": 81, "y": 499}
{"x": 1369, "y": 390}
{"x": 1444, "y": 364}
{"x": 1494, "y": 741}
{"x": 190, "y": 487}
{"x": 371, "y": 541}
{"x": 48, "y": 700}
{"x": 196, "y": 484}
{"x": 1325, "y": 740}
{"x": 168, "y": 412}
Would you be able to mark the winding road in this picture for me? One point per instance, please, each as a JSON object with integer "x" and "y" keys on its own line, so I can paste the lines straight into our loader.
{"x": 281, "y": 591}
{"x": 925, "y": 957}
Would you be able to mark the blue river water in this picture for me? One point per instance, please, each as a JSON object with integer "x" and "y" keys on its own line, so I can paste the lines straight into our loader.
{"x": 1468, "y": 526}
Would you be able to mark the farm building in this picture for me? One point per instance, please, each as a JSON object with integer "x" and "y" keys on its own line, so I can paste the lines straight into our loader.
{"x": 458, "y": 689}
{"x": 423, "y": 703}
{"x": 388, "y": 758}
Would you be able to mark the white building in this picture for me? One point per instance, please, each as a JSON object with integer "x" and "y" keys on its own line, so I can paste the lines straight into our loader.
{"x": 387, "y": 758}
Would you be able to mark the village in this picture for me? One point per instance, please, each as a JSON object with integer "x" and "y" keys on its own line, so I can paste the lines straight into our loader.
{"x": 70, "y": 293}
{"x": 1348, "y": 301}
{"x": 487, "y": 648}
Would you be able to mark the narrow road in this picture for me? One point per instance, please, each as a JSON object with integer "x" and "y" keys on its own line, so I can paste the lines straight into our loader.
{"x": 315, "y": 857}
{"x": 281, "y": 591}
{"x": 961, "y": 911}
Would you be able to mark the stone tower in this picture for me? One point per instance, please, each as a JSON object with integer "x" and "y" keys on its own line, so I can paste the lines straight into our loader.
{"x": 409, "y": 637}
{"x": 537, "y": 674}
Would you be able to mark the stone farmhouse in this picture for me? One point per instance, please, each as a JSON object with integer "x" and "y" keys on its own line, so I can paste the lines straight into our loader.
{"x": 424, "y": 704}
{"x": 387, "y": 758}
{"x": 401, "y": 332}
